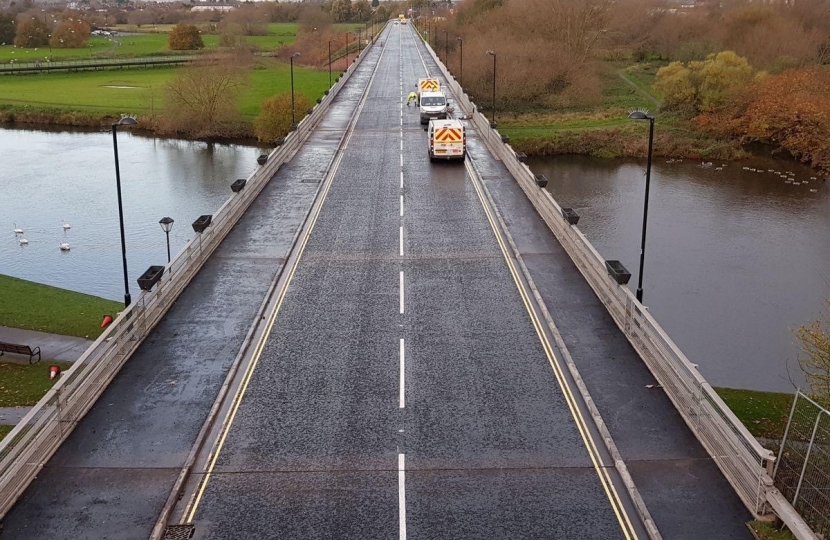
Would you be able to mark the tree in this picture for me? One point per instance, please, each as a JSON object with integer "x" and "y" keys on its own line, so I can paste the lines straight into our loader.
{"x": 202, "y": 98}
{"x": 70, "y": 34}
{"x": 31, "y": 32}
{"x": 381, "y": 14}
{"x": 719, "y": 75}
{"x": 341, "y": 10}
{"x": 375, "y": 3}
{"x": 7, "y": 29}
{"x": 674, "y": 82}
{"x": 185, "y": 37}
{"x": 361, "y": 10}
{"x": 275, "y": 118}
{"x": 815, "y": 361}
{"x": 249, "y": 20}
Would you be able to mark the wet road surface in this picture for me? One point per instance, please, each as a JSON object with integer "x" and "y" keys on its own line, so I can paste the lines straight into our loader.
{"x": 403, "y": 389}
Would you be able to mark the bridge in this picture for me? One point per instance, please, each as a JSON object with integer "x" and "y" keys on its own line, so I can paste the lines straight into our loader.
{"x": 363, "y": 344}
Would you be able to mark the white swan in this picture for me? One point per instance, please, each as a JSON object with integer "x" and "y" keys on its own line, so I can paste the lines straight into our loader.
{"x": 66, "y": 226}
{"x": 17, "y": 230}
{"x": 22, "y": 241}
{"x": 64, "y": 246}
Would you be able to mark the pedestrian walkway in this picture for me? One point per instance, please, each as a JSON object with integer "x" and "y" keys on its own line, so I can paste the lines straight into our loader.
{"x": 52, "y": 346}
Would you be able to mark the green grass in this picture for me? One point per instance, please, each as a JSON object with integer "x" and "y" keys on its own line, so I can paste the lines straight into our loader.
{"x": 766, "y": 531}
{"x": 4, "y": 430}
{"x": 763, "y": 413}
{"x": 32, "y": 306}
{"x": 149, "y": 42}
{"x": 24, "y": 385}
{"x": 88, "y": 91}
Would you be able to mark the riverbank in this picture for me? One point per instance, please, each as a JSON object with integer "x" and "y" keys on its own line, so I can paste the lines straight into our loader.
{"x": 602, "y": 129}
{"x": 33, "y": 306}
{"x": 96, "y": 98}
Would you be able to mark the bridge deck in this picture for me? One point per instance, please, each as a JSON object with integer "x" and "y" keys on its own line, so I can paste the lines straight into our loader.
{"x": 483, "y": 443}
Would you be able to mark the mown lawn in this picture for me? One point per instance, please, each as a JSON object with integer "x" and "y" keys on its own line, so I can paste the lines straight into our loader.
{"x": 98, "y": 91}
{"x": 24, "y": 385}
{"x": 763, "y": 413}
{"x": 149, "y": 42}
{"x": 32, "y": 306}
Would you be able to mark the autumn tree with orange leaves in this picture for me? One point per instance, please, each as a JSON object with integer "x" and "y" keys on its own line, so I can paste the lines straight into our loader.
{"x": 790, "y": 110}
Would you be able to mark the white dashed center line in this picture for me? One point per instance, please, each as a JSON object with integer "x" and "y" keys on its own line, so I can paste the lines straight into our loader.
{"x": 403, "y": 378}
{"x": 401, "y": 310}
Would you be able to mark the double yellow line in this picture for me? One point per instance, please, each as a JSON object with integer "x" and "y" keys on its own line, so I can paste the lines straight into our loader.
{"x": 584, "y": 432}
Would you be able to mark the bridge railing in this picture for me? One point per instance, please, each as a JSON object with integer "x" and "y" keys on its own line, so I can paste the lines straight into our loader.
{"x": 31, "y": 443}
{"x": 94, "y": 63}
{"x": 744, "y": 462}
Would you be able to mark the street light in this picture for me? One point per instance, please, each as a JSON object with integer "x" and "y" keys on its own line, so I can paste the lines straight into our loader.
{"x": 125, "y": 121}
{"x": 643, "y": 115}
{"x": 167, "y": 225}
{"x": 461, "y": 60}
{"x": 347, "y": 50}
{"x": 493, "y": 121}
{"x": 446, "y": 48}
{"x": 293, "y": 122}
{"x": 329, "y": 63}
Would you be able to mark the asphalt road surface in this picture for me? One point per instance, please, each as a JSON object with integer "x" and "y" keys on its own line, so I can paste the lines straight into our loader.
{"x": 403, "y": 389}
{"x": 402, "y": 382}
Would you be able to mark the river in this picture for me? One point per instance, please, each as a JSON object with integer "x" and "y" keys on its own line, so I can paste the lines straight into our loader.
{"x": 51, "y": 177}
{"x": 735, "y": 258}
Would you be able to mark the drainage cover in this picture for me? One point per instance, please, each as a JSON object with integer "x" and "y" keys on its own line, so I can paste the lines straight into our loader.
{"x": 179, "y": 532}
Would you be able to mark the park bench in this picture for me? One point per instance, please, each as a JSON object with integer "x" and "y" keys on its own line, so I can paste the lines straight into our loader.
{"x": 20, "y": 349}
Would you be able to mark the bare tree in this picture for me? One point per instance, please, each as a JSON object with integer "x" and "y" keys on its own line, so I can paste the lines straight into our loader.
{"x": 202, "y": 98}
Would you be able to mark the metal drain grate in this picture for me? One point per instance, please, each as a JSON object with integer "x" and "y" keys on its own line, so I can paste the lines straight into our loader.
{"x": 179, "y": 532}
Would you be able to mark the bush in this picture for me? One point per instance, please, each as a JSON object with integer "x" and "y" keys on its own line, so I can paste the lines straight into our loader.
{"x": 70, "y": 34}
{"x": 31, "y": 33}
{"x": 275, "y": 119}
{"x": 185, "y": 37}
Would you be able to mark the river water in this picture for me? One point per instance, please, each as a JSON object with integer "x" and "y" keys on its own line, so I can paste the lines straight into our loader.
{"x": 735, "y": 258}
{"x": 49, "y": 177}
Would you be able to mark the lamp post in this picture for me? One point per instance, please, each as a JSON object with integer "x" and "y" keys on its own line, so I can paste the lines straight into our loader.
{"x": 461, "y": 61}
{"x": 293, "y": 121}
{"x": 167, "y": 225}
{"x": 359, "y": 44}
{"x": 125, "y": 121}
{"x": 491, "y": 53}
{"x": 329, "y": 63}
{"x": 643, "y": 115}
{"x": 446, "y": 48}
{"x": 347, "y": 51}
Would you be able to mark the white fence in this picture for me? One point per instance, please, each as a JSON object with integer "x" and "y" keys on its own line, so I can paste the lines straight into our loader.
{"x": 744, "y": 462}
{"x": 25, "y": 450}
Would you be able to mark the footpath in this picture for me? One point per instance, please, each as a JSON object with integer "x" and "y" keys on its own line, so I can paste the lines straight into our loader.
{"x": 52, "y": 347}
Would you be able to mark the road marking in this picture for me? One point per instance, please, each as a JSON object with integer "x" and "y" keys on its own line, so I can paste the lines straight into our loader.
{"x": 401, "y": 497}
{"x": 584, "y": 432}
{"x": 401, "y": 159}
{"x": 401, "y": 179}
{"x": 401, "y": 205}
{"x": 403, "y": 378}
{"x": 401, "y": 291}
{"x": 400, "y": 242}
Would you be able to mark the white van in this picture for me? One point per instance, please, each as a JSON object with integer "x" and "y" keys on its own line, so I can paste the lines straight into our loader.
{"x": 447, "y": 140}
{"x": 433, "y": 106}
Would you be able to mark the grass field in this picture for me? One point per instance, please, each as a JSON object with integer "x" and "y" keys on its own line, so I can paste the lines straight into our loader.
{"x": 763, "y": 413}
{"x": 97, "y": 91}
{"x": 622, "y": 91}
{"x": 150, "y": 41}
{"x": 33, "y": 306}
{"x": 23, "y": 384}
